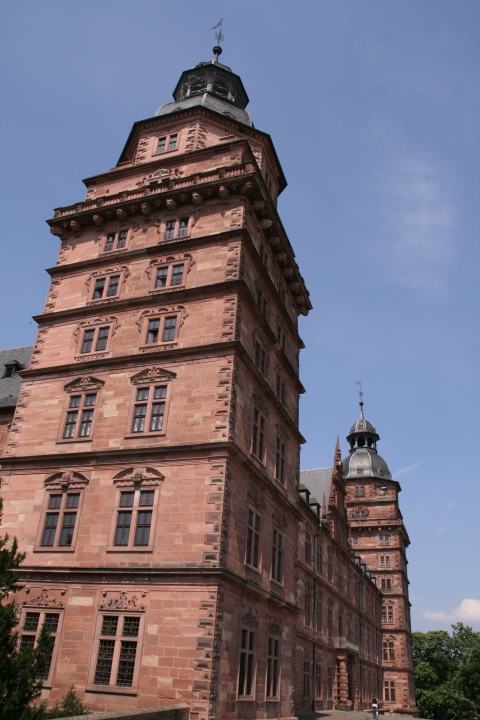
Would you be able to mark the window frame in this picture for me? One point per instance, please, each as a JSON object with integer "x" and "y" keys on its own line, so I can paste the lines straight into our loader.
{"x": 169, "y": 262}
{"x": 116, "y": 234}
{"x": 277, "y": 571}
{"x": 273, "y": 664}
{"x": 80, "y": 409}
{"x": 76, "y": 489}
{"x": 135, "y": 509}
{"x": 179, "y": 223}
{"x": 122, "y": 272}
{"x": 167, "y": 149}
{"x": 257, "y": 536}
{"x": 43, "y": 611}
{"x": 280, "y": 460}
{"x": 150, "y": 401}
{"x": 248, "y": 653}
{"x": 259, "y": 436}
{"x": 116, "y": 689}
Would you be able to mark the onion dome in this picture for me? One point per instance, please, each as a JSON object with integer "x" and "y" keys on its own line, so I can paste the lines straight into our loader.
{"x": 364, "y": 460}
{"x": 211, "y": 85}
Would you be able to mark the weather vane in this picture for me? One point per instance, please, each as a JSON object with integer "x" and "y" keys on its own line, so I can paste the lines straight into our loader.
{"x": 218, "y": 34}
{"x": 359, "y": 382}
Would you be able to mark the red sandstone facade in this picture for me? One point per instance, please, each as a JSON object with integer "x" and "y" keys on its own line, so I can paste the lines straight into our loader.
{"x": 151, "y": 471}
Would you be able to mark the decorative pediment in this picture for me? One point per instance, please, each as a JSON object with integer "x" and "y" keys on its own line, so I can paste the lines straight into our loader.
{"x": 152, "y": 375}
{"x": 279, "y": 519}
{"x": 45, "y": 598}
{"x": 171, "y": 309}
{"x": 139, "y": 476}
{"x": 94, "y": 322}
{"x": 68, "y": 480}
{"x": 121, "y": 269}
{"x": 123, "y": 601}
{"x": 249, "y": 619}
{"x": 260, "y": 403}
{"x": 274, "y": 628}
{"x": 186, "y": 258}
{"x": 256, "y": 498}
{"x": 84, "y": 384}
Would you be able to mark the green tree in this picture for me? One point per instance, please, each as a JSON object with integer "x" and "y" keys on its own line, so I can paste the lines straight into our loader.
{"x": 447, "y": 673}
{"x": 19, "y": 671}
{"x": 69, "y": 707}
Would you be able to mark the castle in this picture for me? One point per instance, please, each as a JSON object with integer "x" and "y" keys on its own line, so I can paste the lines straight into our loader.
{"x": 151, "y": 466}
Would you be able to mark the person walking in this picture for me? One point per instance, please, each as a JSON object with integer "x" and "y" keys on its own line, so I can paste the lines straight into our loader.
{"x": 375, "y": 707}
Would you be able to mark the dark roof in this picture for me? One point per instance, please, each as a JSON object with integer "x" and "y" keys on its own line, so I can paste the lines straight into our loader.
{"x": 319, "y": 483}
{"x": 10, "y": 387}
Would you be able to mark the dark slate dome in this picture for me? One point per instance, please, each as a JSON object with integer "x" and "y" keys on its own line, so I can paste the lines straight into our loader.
{"x": 364, "y": 460}
{"x": 214, "y": 86}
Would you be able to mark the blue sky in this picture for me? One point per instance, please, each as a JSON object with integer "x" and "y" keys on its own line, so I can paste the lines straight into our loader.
{"x": 373, "y": 107}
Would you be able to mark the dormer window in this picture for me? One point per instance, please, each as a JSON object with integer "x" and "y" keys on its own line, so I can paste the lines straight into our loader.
{"x": 11, "y": 369}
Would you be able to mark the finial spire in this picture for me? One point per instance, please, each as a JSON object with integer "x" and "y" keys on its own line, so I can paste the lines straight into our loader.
{"x": 359, "y": 382}
{"x": 217, "y": 50}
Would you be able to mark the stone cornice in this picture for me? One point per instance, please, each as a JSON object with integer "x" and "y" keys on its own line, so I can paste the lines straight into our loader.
{"x": 244, "y": 178}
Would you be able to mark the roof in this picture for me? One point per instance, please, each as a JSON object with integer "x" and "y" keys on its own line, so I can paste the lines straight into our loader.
{"x": 319, "y": 483}
{"x": 10, "y": 387}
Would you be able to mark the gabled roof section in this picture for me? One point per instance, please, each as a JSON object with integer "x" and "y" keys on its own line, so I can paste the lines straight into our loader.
{"x": 319, "y": 483}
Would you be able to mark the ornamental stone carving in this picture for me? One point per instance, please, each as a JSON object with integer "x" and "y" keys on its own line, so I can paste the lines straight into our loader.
{"x": 84, "y": 384}
{"x": 123, "y": 601}
{"x": 45, "y": 598}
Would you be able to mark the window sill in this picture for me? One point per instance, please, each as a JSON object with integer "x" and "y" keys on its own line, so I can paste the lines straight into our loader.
{"x": 164, "y": 152}
{"x": 245, "y": 699}
{"x": 108, "y": 690}
{"x": 174, "y": 239}
{"x": 278, "y": 584}
{"x": 253, "y": 569}
{"x": 140, "y": 435}
{"x": 111, "y": 253}
{"x": 41, "y": 549}
{"x": 89, "y": 357}
{"x": 139, "y": 549}
{"x": 69, "y": 441}
{"x": 158, "y": 347}
{"x": 170, "y": 288}
{"x": 103, "y": 301}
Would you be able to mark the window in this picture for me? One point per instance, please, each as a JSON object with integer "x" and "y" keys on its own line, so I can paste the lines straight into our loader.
{"x": 272, "y": 667}
{"x": 117, "y": 659}
{"x": 60, "y": 520}
{"x": 106, "y": 287}
{"x": 318, "y": 680}
{"x": 252, "y": 556}
{"x": 388, "y": 650}
{"x": 330, "y": 619}
{"x": 161, "y": 329}
{"x": 329, "y": 566}
{"x": 330, "y": 681}
{"x": 134, "y": 516}
{"x": 387, "y": 560}
{"x": 386, "y": 584}
{"x": 308, "y": 547}
{"x": 385, "y": 539}
{"x": 94, "y": 339}
{"x": 281, "y": 337}
{"x": 260, "y": 357}
{"x": 79, "y": 416}
{"x": 169, "y": 276}
{"x": 360, "y": 515}
{"x": 11, "y": 369}
{"x": 355, "y": 540}
{"x": 306, "y": 678}
{"x": 281, "y": 390}
{"x": 280, "y": 461}
{"x": 258, "y": 435}
{"x": 246, "y": 670}
{"x": 389, "y": 691}
{"x": 115, "y": 241}
{"x": 149, "y": 409}
{"x": 359, "y": 492}
{"x": 262, "y": 303}
{"x": 319, "y": 556}
{"x": 277, "y": 557}
{"x": 318, "y": 614}
{"x": 167, "y": 143}
{"x": 308, "y": 606}
{"x": 390, "y": 613}
{"x": 177, "y": 228}
{"x": 31, "y": 625}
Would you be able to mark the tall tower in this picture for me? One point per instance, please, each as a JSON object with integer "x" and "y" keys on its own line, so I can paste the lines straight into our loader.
{"x": 378, "y": 535}
{"x": 151, "y": 470}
